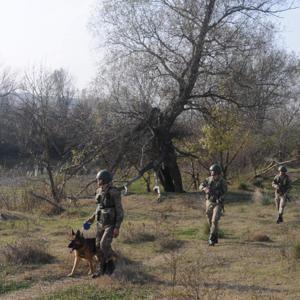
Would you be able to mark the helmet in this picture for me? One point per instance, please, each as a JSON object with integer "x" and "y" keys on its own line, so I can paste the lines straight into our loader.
{"x": 282, "y": 169}
{"x": 105, "y": 176}
{"x": 215, "y": 168}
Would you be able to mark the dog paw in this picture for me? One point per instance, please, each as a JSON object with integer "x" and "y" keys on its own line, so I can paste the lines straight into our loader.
{"x": 70, "y": 275}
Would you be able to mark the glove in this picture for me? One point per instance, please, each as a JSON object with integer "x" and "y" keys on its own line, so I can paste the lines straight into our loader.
{"x": 86, "y": 225}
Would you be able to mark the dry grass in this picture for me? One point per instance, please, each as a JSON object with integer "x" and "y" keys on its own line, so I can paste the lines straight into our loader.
{"x": 260, "y": 238}
{"x": 167, "y": 255}
{"x": 26, "y": 252}
{"x": 137, "y": 233}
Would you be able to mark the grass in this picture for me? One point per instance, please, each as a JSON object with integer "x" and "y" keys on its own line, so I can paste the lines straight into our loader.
{"x": 297, "y": 250}
{"x": 175, "y": 228}
{"x": 11, "y": 286}
{"x": 83, "y": 292}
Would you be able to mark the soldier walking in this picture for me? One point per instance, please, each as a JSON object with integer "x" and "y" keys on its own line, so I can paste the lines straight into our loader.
{"x": 109, "y": 216}
{"x": 214, "y": 187}
{"x": 282, "y": 185}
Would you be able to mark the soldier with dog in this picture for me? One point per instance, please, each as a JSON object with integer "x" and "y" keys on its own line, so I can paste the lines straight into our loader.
{"x": 282, "y": 185}
{"x": 108, "y": 217}
{"x": 214, "y": 188}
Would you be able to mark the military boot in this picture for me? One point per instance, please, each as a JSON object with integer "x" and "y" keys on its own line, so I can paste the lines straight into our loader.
{"x": 279, "y": 219}
{"x": 99, "y": 271}
{"x": 211, "y": 240}
{"x": 109, "y": 267}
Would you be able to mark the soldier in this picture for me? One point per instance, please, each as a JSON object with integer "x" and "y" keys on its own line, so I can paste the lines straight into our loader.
{"x": 282, "y": 185}
{"x": 214, "y": 187}
{"x": 109, "y": 216}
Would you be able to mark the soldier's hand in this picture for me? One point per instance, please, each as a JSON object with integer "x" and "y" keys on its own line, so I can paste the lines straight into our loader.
{"x": 206, "y": 190}
{"x": 116, "y": 233}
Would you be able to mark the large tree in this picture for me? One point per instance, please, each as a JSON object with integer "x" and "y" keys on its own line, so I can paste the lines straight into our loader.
{"x": 169, "y": 56}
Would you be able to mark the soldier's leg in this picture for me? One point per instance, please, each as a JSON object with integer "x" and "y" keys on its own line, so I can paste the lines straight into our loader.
{"x": 99, "y": 252}
{"x": 282, "y": 204}
{"x": 105, "y": 245}
{"x": 217, "y": 211}
{"x": 209, "y": 212}
{"x": 277, "y": 201}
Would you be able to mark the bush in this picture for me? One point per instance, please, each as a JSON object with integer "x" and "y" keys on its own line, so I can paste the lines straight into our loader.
{"x": 262, "y": 197}
{"x": 258, "y": 182}
{"x": 260, "y": 238}
{"x": 136, "y": 234}
{"x": 243, "y": 186}
{"x": 169, "y": 244}
{"x": 26, "y": 252}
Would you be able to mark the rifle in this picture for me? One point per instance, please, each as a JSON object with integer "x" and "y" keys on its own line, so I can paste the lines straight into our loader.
{"x": 216, "y": 197}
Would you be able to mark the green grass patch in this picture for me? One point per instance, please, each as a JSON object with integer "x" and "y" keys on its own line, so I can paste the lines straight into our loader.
{"x": 187, "y": 233}
{"x": 93, "y": 293}
{"x": 11, "y": 286}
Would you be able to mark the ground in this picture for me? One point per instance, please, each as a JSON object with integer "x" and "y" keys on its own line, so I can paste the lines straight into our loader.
{"x": 163, "y": 252}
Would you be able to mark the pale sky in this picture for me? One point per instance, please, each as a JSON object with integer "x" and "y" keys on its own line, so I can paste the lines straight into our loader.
{"x": 54, "y": 33}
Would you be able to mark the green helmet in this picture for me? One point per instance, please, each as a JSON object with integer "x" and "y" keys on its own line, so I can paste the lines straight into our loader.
{"x": 215, "y": 168}
{"x": 105, "y": 176}
{"x": 282, "y": 169}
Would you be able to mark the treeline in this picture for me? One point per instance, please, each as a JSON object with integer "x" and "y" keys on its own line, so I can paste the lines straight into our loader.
{"x": 184, "y": 84}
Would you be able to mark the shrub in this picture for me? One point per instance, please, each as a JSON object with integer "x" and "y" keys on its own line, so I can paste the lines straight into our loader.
{"x": 258, "y": 182}
{"x": 26, "y": 252}
{"x": 169, "y": 244}
{"x": 136, "y": 234}
{"x": 243, "y": 186}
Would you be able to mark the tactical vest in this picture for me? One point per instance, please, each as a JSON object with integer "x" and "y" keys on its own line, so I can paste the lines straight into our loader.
{"x": 216, "y": 189}
{"x": 282, "y": 182}
{"x": 106, "y": 208}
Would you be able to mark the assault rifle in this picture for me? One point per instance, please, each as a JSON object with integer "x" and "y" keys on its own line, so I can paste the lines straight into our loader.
{"x": 216, "y": 197}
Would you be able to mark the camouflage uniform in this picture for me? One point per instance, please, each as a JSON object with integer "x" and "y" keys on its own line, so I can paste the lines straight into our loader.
{"x": 109, "y": 215}
{"x": 214, "y": 203}
{"x": 282, "y": 185}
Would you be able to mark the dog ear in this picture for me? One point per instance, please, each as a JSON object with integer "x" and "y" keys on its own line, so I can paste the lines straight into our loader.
{"x": 72, "y": 233}
{"x": 78, "y": 233}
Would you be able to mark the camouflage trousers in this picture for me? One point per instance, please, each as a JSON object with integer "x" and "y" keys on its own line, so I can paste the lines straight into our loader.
{"x": 104, "y": 237}
{"x": 213, "y": 214}
{"x": 280, "y": 202}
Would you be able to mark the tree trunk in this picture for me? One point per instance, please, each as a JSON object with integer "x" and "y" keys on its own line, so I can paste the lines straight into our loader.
{"x": 169, "y": 173}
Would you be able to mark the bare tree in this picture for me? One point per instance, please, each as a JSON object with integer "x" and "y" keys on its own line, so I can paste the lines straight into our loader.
{"x": 187, "y": 49}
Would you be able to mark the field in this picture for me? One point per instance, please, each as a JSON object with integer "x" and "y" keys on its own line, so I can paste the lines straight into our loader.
{"x": 163, "y": 251}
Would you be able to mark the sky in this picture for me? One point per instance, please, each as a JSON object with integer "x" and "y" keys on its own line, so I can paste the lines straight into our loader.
{"x": 55, "y": 34}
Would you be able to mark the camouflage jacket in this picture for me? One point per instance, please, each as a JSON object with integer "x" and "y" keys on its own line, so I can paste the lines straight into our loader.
{"x": 217, "y": 188}
{"x": 282, "y": 183}
{"x": 109, "y": 211}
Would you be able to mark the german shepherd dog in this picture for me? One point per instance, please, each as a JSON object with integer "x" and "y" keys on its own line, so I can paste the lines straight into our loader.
{"x": 85, "y": 249}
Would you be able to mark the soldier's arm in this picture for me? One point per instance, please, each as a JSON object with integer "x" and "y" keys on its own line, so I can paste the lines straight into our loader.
{"x": 91, "y": 219}
{"x": 203, "y": 185}
{"x": 289, "y": 184}
{"x": 275, "y": 183}
{"x": 118, "y": 207}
